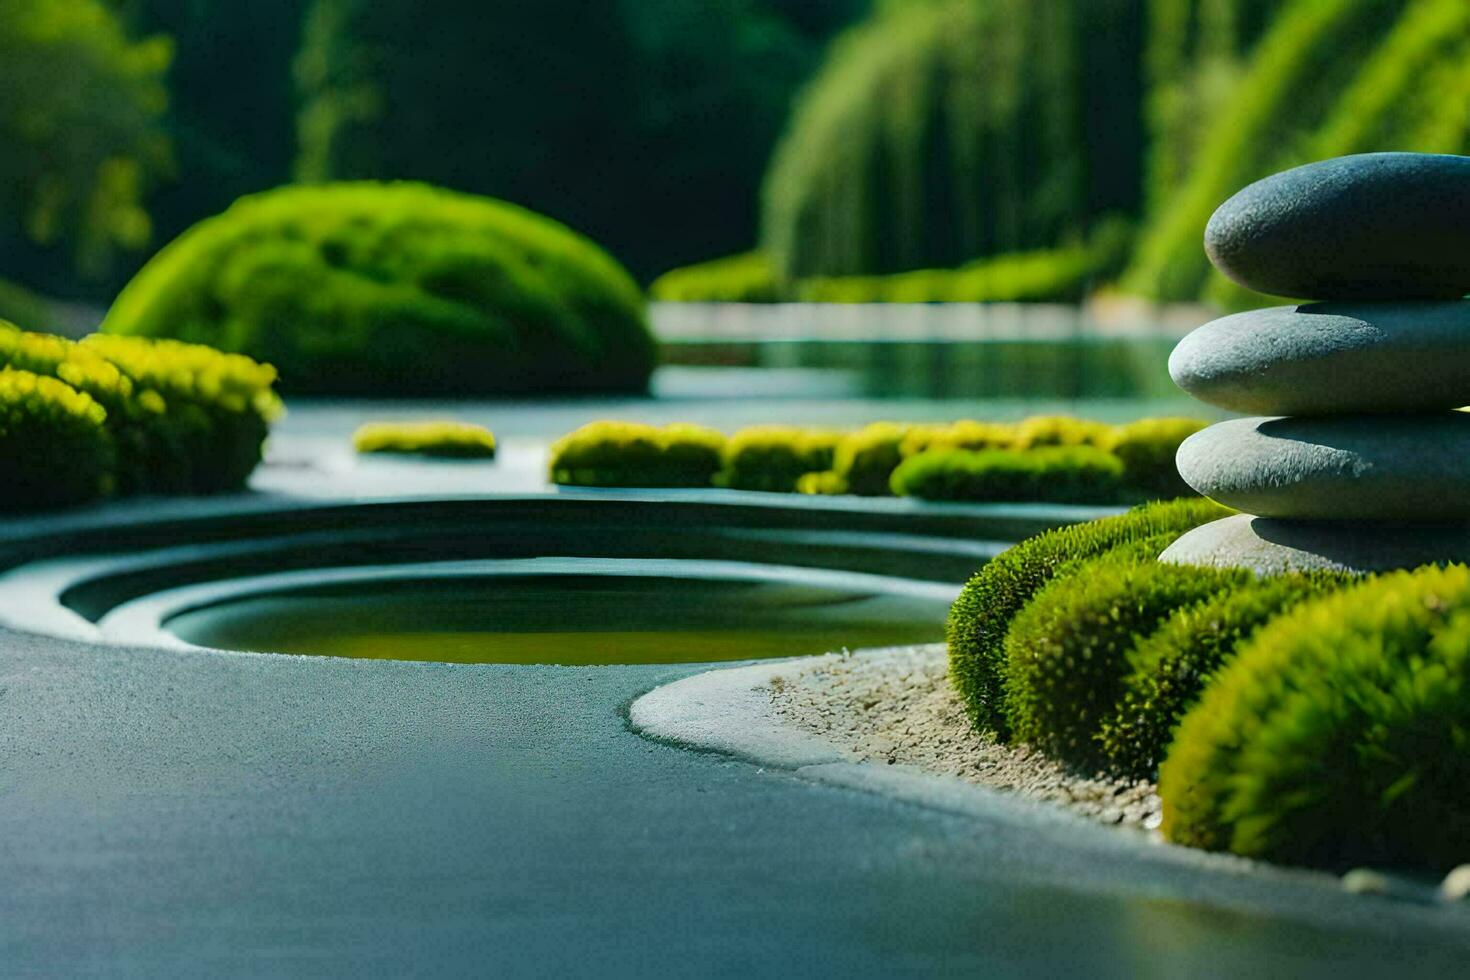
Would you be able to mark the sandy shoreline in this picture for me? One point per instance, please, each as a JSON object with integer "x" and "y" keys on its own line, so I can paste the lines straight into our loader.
{"x": 897, "y": 707}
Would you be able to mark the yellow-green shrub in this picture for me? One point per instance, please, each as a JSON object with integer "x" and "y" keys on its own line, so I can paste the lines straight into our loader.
{"x": 55, "y": 449}
{"x": 630, "y": 454}
{"x": 1070, "y": 474}
{"x": 864, "y": 461}
{"x": 1148, "y": 447}
{"x": 218, "y": 407}
{"x": 455, "y": 440}
{"x": 1063, "y": 430}
{"x": 1339, "y": 734}
{"x": 775, "y": 457}
{"x": 964, "y": 434}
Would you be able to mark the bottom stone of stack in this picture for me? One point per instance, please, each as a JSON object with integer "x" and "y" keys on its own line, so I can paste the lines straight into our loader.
{"x": 1270, "y": 546}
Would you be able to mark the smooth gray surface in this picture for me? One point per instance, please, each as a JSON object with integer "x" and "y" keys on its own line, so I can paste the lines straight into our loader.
{"x": 195, "y": 814}
{"x": 1271, "y": 547}
{"x": 1386, "y": 468}
{"x": 1369, "y": 226}
{"x": 1331, "y": 358}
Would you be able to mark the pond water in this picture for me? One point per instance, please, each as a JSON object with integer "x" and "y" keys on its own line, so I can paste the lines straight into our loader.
{"x": 566, "y": 619}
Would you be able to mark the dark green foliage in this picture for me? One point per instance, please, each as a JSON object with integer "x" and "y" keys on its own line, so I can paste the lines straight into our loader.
{"x": 982, "y": 614}
{"x": 231, "y": 113}
{"x": 1168, "y": 669}
{"x": 775, "y": 457}
{"x": 81, "y": 106}
{"x": 1307, "y": 66}
{"x": 1059, "y": 274}
{"x": 399, "y": 289}
{"x": 943, "y": 131}
{"x": 644, "y": 123}
{"x": 1339, "y": 735}
{"x": 628, "y": 454}
{"x": 55, "y": 449}
{"x": 1076, "y": 474}
{"x": 1067, "y": 650}
{"x": 1148, "y": 447}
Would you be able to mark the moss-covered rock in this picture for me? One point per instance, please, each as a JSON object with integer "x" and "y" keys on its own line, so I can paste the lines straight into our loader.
{"x": 386, "y": 289}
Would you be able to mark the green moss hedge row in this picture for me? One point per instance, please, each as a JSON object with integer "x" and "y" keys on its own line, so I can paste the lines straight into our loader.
{"x": 774, "y": 458}
{"x": 629, "y": 454}
{"x": 1066, "y": 651}
{"x": 181, "y": 418}
{"x": 55, "y": 448}
{"x": 446, "y": 439}
{"x": 367, "y": 288}
{"x": 1045, "y": 458}
{"x": 982, "y": 615}
{"x": 1339, "y": 735}
{"x": 1073, "y": 474}
{"x": 1168, "y": 668}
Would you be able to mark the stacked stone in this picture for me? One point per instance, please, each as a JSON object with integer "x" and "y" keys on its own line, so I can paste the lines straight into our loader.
{"x": 1354, "y": 457}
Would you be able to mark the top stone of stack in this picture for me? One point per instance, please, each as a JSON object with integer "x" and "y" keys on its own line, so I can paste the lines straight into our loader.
{"x": 1375, "y": 226}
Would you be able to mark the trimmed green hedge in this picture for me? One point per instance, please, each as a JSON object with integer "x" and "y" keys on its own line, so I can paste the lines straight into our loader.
{"x": 397, "y": 289}
{"x": 981, "y": 616}
{"x": 447, "y": 439}
{"x": 1169, "y": 668}
{"x": 775, "y": 457}
{"x": 630, "y": 454}
{"x": 1066, "y": 652}
{"x": 55, "y": 449}
{"x": 1339, "y": 735}
{"x": 1073, "y": 474}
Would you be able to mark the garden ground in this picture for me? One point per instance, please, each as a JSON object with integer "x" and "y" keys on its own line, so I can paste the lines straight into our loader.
{"x": 165, "y": 812}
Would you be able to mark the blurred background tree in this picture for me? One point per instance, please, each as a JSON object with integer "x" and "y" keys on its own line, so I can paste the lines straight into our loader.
{"x": 81, "y": 123}
{"x": 231, "y": 109}
{"x": 643, "y": 123}
{"x": 1036, "y": 149}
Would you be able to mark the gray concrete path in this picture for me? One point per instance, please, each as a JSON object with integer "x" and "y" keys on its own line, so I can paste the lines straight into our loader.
{"x": 207, "y": 814}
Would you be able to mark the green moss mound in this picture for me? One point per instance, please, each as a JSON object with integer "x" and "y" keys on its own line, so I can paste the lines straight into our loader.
{"x": 1073, "y": 474}
{"x": 981, "y": 616}
{"x": 944, "y": 131}
{"x": 397, "y": 289}
{"x": 774, "y": 458}
{"x": 1066, "y": 653}
{"x": 1169, "y": 668}
{"x": 1338, "y": 735}
{"x": 629, "y": 454}
{"x": 443, "y": 439}
{"x": 55, "y": 449}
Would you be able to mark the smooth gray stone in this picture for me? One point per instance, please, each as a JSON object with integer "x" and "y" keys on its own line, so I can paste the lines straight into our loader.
{"x": 1331, "y": 358}
{"x": 1371, "y": 226}
{"x": 1269, "y": 547}
{"x": 1366, "y": 467}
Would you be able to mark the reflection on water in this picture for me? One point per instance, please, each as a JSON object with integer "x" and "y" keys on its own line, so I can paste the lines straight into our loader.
{"x": 576, "y": 620}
